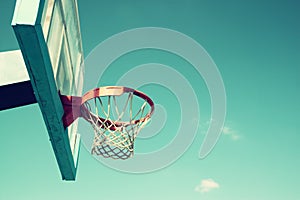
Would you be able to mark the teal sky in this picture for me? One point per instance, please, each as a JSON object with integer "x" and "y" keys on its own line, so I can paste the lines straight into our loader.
{"x": 256, "y": 46}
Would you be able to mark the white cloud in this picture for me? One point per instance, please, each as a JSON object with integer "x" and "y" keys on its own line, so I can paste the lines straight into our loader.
{"x": 207, "y": 185}
{"x": 233, "y": 134}
{"x": 226, "y": 130}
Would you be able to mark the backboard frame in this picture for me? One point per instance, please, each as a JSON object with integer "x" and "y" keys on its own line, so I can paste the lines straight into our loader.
{"x": 30, "y": 36}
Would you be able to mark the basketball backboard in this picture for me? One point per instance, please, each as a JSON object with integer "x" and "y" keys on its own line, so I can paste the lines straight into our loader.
{"x": 48, "y": 33}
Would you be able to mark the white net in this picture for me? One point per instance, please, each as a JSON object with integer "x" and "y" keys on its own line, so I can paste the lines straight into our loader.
{"x": 115, "y": 127}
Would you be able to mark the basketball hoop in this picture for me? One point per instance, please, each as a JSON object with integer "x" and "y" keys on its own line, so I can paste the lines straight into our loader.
{"x": 114, "y": 129}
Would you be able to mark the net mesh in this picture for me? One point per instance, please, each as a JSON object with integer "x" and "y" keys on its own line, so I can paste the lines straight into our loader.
{"x": 115, "y": 129}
